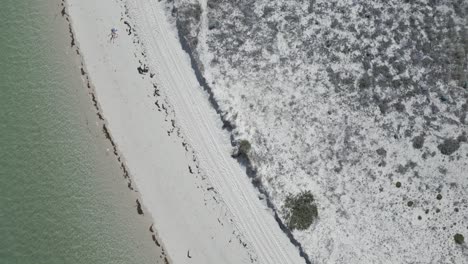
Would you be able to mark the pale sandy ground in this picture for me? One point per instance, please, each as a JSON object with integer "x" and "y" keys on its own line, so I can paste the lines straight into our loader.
{"x": 204, "y": 207}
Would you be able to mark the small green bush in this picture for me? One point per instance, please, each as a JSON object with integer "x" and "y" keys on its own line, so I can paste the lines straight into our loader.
{"x": 300, "y": 210}
{"x": 244, "y": 147}
{"x": 459, "y": 239}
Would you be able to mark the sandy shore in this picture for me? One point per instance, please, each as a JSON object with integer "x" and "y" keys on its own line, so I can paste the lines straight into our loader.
{"x": 204, "y": 207}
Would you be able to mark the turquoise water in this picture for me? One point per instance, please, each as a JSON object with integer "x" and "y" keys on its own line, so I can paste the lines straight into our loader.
{"x": 62, "y": 195}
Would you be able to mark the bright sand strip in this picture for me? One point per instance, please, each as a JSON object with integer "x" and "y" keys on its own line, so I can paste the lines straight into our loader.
{"x": 205, "y": 208}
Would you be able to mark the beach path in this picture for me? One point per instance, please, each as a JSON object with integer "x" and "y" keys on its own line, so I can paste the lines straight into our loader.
{"x": 205, "y": 208}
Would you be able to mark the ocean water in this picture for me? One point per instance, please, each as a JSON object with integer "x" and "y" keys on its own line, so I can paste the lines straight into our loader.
{"x": 63, "y": 198}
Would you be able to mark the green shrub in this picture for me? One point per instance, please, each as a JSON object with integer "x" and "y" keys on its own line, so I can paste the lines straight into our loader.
{"x": 244, "y": 147}
{"x": 459, "y": 239}
{"x": 300, "y": 210}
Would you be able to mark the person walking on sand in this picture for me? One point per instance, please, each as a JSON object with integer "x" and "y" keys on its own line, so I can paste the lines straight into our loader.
{"x": 113, "y": 35}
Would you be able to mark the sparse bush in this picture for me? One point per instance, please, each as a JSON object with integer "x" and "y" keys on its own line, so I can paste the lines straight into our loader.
{"x": 418, "y": 142}
{"x": 449, "y": 146}
{"x": 300, "y": 210}
{"x": 462, "y": 138}
{"x": 364, "y": 82}
{"x": 381, "y": 152}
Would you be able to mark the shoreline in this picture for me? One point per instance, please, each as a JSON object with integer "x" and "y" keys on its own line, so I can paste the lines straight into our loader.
{"x": 222, "y": 232}
{"x": 140, "y": 209}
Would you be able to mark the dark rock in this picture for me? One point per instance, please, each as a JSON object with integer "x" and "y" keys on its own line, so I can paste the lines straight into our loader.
{"x": 129, "y": 29}
{"x": 155, "y": 240}
{"x": 106, "y": 132}
{"x": 139, "y": 210}
{"x": 143, "y": 70}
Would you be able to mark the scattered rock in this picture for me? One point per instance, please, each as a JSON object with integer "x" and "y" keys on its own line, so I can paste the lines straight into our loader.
{"x": 129, "y": 29}
{"x": 139, "y": 210}
{"x": 106, "y": 132}
{"x": 143, "y": 70}
{"x": 72, "y": 36}
{"x": 155, "y": 240}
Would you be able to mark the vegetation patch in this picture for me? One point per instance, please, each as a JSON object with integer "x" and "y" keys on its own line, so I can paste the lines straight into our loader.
{"x": 300, "y": 210}
{"x": 244, "y": 147}
{"x": 381, "y": 152}
{"x": 462, "y": 138}
{"x": 418, "y": 142}
{"x": 459, "y": 239}
{"x": 449, "y": 146}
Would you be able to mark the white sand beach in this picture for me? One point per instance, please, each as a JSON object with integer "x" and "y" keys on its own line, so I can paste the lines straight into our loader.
{"x": 205, "y": 208}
